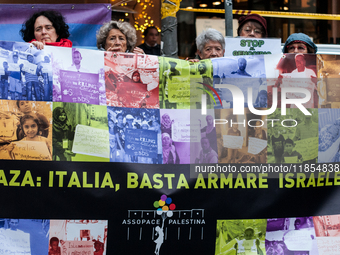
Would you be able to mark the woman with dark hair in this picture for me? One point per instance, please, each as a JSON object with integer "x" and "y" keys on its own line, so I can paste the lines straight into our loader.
{"x": 46, "y": 28}
{"x": 61, "y": 133}
{"x": 170, "y": 155}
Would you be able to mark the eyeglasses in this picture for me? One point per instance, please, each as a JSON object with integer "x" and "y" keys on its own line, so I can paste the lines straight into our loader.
{"x": 301, "y": 48}
{"x": 248, "y": 30}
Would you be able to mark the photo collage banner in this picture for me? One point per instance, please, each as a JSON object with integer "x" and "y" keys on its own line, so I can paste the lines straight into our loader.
{"x": 95, "y": 106}
{"x": 114, "y": 153}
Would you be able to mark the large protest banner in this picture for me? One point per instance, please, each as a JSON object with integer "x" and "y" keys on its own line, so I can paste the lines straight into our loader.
{"x": 126, "y": 180}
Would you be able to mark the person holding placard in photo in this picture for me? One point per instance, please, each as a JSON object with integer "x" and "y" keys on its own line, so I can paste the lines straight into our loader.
{"x": 170, "y": 155}
{"x": 4, "y": 81}
{"x": 207, "y": 154}
{"x": 31, "y": 72}
{"x": 62, "y": 133}
{"x": 249, "y": 245}
{"x": 48, "y": 78}
{"x": 290, "y": 155}
{"x": 232, "y": 153}
{"x": 277, "y": 142}
{"x": 259, "y": 133}
{"x": 209, "y": 131}
{"x": 31, "y": 128}
{"x": 15, "y": 86}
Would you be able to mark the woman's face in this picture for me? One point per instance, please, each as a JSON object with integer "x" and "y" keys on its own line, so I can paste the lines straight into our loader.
{"x": 209, "y": 120}
{"x": 44, "y": 30}
{"x": 25, "y": 106}
{"x": 258, "y": 125}
{"x": 136, "y": 77}
{"x": 212, "y": 49}
{"x": 297, "y": 47}
{"x": 116, "y": 41}
{"x": 263, "y": 101}
{"x": 252, "y": 29}
{"x": 111, "y": 124}
{"x": 166, "y": 118}
{"x": 166, "y": 140}
{"x": 62, "y": 116}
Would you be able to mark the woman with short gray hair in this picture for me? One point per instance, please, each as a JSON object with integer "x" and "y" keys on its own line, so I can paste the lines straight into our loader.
{"x": 210, "y": 44}
{"x": 118, "y": 36}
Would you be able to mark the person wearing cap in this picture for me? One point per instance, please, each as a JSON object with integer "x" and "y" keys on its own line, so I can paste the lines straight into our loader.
{"x": 252, "y": 25}
{"x": 145, "y": 125}
{"x": 301, "y": 68}
{"x": 299, "y": 43}
{"x": 129, "y": 121}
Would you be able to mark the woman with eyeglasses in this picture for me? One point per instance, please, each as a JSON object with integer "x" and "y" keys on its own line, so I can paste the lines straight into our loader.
{"x": 299, "y": 43}
{"x": 252, "y": 25}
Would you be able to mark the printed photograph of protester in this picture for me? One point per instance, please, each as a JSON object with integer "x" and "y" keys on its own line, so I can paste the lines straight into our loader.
{"x": 24, "y": 236}
{"x": 241, "y": 138}
{"x": 176, "y": 130}
{"x": 201, "y": 81}
{"x": 242, "y": 72}
{"x": 297, "y": 133}
{"x": 131, "y": 80}
{"x": 246, "y": 237}
{"x": 287, "y": 236}
{"x": 78, "y": 75}
{"x": 174, "y": 84}
{"x": 23, "y": 72}
{"x": 328, "y": 75}
{"x": 77, "y": 237}
{"x": 25, "y": 130}
{"x": 329, "y": 135}
{"x": 294, "y": 71}
{"x": 203, "y": 144}
{"x": 80, "y": 132}
{"x": 135, "y": 135}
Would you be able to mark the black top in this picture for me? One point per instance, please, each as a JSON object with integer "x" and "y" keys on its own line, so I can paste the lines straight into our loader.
{"x": 151, "y": 50}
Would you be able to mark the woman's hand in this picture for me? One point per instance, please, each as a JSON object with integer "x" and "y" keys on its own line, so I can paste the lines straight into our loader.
{"x": 192, "y": 60}
{"x": 138, "y": 50}
{"x": 38, "y": 45}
